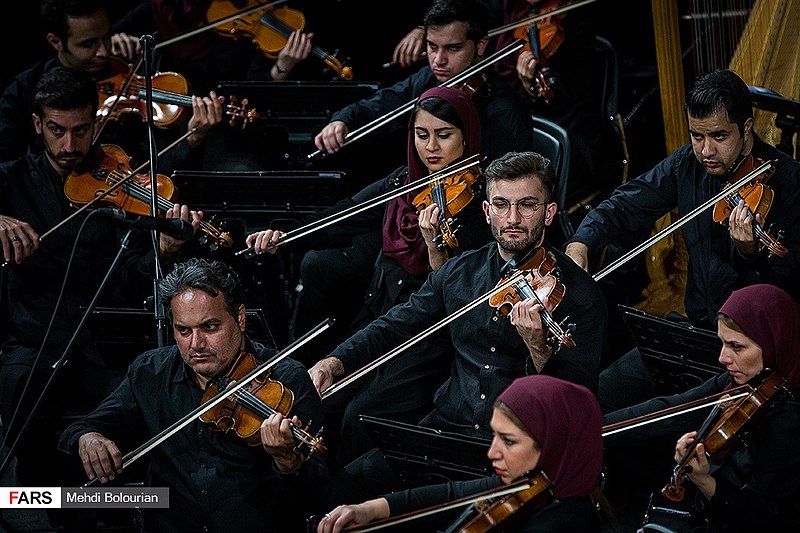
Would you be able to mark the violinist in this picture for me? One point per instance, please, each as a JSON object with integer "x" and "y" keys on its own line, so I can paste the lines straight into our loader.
{"x": 539, "y": 423}
{"x": 79, "y": 31}
{"x": 217, "y": 480}
{"x": 719, "y": 116}
{"x": 753, "y": 486}
{"x": 489, "y": 350}
{"x": 396, "y": 245}
{"x": 455, "y": 37}
{"x": 32, "y": 201}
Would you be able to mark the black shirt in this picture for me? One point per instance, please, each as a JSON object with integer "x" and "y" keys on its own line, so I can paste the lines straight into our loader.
{"x": 489, "y": 353}
{"x": 217, "y": 482}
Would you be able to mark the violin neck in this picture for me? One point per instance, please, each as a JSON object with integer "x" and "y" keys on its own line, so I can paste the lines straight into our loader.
{"x": 285, "y": 30}
{"x": 167, "y": 97}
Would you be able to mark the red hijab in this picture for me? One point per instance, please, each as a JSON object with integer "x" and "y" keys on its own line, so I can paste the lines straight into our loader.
{"x": 402, "y": 239}
{"x": 177, "y": 16}
{"x": 771, "y": 318}
{"x": 565, "y": 419}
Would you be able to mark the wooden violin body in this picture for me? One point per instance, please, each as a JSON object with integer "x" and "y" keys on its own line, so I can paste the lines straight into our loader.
{"x": 245, "y": 410}
{"x": 543, "y": 37}
{"x": 122, "y": 95}
{"x": 538, "y": 283}
{"x": 269, "y": 30}
{"x": 111, "y": 165}
{"x": 451, "y": 194}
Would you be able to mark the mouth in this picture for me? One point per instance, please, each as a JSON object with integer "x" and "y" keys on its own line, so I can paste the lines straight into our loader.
{"x": 433, "y": 160}
{"x": 499, "y": 471}
{"x": 712, "y": 164}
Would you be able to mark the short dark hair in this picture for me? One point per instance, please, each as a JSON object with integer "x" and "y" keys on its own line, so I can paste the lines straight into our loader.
{"x": 65, "y": 88}
{"x": 720, "y": 90}
{"x": 516, "y": 165}
{"x": 54, "y": 14}
{"x": 474, "y": 12}
{"x": 211, "y": 277}
{"x": 439, "y": 108}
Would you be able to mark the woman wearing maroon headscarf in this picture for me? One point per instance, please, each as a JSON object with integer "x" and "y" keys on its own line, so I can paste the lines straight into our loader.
{"x": 755, "y": 486}
{"x": 540, "y": 423}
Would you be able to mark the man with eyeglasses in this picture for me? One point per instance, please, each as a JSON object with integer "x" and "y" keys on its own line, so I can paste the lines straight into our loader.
{"x": 489, "y": 351}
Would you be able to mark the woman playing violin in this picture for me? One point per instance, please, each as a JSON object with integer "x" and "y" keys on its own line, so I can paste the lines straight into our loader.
{"x": 540, "y": 423}
{"x": 754, "y": 485}
{"x": 217, "y": 480}
{"x": 395, "y": 239}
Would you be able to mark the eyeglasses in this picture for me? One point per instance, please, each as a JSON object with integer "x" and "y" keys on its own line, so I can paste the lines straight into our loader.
{"x": 526, "y": 208}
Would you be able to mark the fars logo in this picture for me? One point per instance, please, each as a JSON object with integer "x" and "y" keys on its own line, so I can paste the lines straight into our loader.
{"x": 30, "y": 497}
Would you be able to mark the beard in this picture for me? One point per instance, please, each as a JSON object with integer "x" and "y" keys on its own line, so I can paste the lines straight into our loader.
{"x": 532, "y": 237}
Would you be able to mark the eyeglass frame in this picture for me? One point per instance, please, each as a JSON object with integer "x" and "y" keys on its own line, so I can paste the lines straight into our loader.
{"x": 492, "y": 208}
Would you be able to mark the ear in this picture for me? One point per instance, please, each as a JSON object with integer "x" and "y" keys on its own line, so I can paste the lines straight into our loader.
{"x": 37, "y": 123}
{"x": 55, "y": 42}
{"x": 242, "y": 319}
{"x": 486, "y": 212}
{"x": 550, "y": 213}
{"x": 480, "y": 46}
{"x": 748, "y": 127}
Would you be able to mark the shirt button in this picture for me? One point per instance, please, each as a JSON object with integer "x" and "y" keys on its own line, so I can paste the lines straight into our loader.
{"x": 492, "y": 349}
{"x": 483, "y": 396}
{"x": 202, "y": 465}
{"x": 477, "y": 426}
{"x": 487, "y": 367}
{"x": 399, "y": 281}
{"x": 494, "y": 319}
{"x": 204, "y": 491}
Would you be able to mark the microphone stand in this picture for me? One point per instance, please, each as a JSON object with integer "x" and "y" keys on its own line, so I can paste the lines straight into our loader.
{"x": 146, "y": 42}
{"x": 64, "y": 357}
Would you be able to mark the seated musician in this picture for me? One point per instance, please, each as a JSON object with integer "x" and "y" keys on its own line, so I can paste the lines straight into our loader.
{"x": 540, "y": 424}
{"x": 752, "y": 487}
{"x": 217, "y": 480}
{"x": 79, "y": 31}
{"x": 51, "y": 281}
{"x": 396, "y": 245}
{"x": 490, "y": 351}
{"x": 719, "y": 115}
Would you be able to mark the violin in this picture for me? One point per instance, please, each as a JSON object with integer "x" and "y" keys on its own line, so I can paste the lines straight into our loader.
{"x": 537, "y": 283}
{"x": 109, "y": 166}
{"x": 758, "y": 197}
{"x": 544, "y": 37}
{"x": 268, "y": 30}
{"x": 452, "y": 194}
{"x": 247, "y": 408}
{"x": 122, "y": 94}
{"x": 725, "y": 425}
{"x": 502, "y": 513}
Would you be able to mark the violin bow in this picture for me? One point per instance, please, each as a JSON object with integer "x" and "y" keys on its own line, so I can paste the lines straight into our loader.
{"x": 518, "y": 486}
{"x": 339, "y": 385}
{"x": 122, "y": 90}
{"x": 134, "y": 455}
{"x": 683, "y": 220}
{"x": 538, "y": 17}
{"x": 302, "y": 231}
{"x": 408, "y": 106}
{"x": 210, "y": 25}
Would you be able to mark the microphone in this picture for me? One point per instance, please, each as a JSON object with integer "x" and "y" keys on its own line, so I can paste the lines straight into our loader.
{"x": 176, "y": 228}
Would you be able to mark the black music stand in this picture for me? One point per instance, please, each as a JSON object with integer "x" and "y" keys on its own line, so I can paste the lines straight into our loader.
{"x": 677, "y": 355}
{"x": 423, "y": 456}
{"x": 787, "y": 116}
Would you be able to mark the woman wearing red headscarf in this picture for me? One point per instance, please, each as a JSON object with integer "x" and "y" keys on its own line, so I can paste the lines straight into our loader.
{"x": 755, "y": 486}
{"x": 540, "y": 423}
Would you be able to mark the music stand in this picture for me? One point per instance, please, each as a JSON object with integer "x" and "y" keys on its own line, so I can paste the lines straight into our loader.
{"x": 678, "y": 356}
{"x": 423, "y": 456}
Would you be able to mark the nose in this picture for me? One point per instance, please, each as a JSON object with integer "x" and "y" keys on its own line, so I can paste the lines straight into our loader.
{"x": 725, "y": 356}
{"x": 198, "y": 341}
{"x": 708, "y": 148}
{"x": 104, "y": 48}
{"x": 494, "y": 450}
{"x": 440, "y": 57}
{"x": 70, "y": 141}
{"x": 433, "y": 144}
{"x": 513, "y": 214}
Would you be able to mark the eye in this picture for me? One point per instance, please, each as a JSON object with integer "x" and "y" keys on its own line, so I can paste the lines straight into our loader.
{"x": 444, "y": 135}
{"x": 500, "y": 205}
{"x": 528, "y": 205}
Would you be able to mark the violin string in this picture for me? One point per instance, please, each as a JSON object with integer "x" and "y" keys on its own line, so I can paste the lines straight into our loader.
{"x": 260, "y": 407}
{"x": 528, "y": 292}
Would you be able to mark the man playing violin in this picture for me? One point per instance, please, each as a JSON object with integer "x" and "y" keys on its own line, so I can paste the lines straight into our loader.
{"x": 489, "y": 351}
{"x": 80, "y": 33}
{"x": 719, "y": 116}
{"x": 748, "y": 482}
{"x": 455, "y": 36}
{"x": 44, "y": 306}
{"x": 217, "y": 480}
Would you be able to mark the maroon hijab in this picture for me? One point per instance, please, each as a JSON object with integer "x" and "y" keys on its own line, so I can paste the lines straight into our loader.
{"x": 771, "y": 318}
{"x": 402, "y": 239}
{"x": 565, "y": 418}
